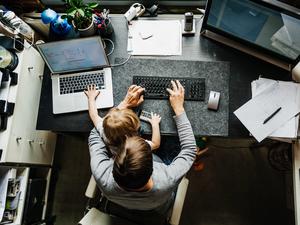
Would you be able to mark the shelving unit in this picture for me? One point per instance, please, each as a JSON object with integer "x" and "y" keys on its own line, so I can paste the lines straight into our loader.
{"x": 21, "y": 142}
{"x": 24, "y": 148}
{"x": 25, "y": 174}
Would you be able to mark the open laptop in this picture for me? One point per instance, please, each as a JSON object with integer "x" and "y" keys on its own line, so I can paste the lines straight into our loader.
{"x": 74, "y": 64}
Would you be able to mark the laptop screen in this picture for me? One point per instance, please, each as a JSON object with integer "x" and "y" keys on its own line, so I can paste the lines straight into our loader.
{"x": 74, "y": 55}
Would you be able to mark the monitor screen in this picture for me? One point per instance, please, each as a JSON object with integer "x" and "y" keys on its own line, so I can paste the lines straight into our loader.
{"x": 74, "y": 55}
{"x": 252, "y": 22}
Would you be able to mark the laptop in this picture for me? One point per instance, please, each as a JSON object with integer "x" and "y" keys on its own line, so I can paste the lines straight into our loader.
{"x": 74, "y": 64}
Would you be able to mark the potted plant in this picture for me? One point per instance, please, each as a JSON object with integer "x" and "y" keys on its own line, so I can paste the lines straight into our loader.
{"x": 80, "y": 15}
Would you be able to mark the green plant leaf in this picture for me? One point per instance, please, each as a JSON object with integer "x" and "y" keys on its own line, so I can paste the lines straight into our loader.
{"x": 93, "y": 5}
{"x": 79, "y": 3}
{"x": 88, "y": 14}
{"x": 81, "y": 12}
{"x": 70, "y": 10}
{"x": 72, "y": 14}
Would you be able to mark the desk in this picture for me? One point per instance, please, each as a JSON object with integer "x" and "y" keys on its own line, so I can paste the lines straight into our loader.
{"x": 243, "y": 69}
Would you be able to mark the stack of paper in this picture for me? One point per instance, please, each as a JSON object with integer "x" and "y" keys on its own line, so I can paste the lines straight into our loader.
{"x": 276, "y": 100}
{"x": 154, "y": 37}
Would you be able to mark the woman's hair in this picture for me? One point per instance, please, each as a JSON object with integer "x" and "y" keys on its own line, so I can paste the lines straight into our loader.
{"x": 133, "y": 165}
{"x": 119, "y": 124}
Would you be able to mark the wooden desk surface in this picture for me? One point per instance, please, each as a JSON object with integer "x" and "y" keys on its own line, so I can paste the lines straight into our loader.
{"x": 243, "y": 69}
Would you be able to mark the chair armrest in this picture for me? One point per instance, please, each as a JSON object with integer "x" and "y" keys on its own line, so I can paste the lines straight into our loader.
{"x": 92, "y": 188}
{"x": 179, "y": 201}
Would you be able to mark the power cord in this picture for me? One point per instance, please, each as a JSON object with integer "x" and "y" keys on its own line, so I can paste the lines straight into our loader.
{"x": 129, "y": 55}
{"x": 20, "y": 42}
{"x": 112, "y": 46}
{"x": 122, "y": 63}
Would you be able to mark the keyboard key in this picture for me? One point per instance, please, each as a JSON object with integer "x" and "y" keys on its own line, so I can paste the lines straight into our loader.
{"x": 79, "y": 83}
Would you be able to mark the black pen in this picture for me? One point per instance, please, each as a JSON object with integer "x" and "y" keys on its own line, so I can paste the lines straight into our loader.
{"x": 272, "y": 115}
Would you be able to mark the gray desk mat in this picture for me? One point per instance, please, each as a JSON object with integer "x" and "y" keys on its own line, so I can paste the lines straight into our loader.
{"x": 204, "y": 122}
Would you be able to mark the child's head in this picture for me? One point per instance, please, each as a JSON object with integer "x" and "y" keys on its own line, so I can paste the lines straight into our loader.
{"x": 119, "y": 124}
{"x": 133, "y": 165}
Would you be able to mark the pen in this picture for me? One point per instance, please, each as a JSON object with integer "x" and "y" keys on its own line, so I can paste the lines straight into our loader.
{"x": 272, "y": 115}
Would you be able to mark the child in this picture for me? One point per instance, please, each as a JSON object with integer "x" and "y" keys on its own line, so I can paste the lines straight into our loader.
{"x": 119, "y": 124}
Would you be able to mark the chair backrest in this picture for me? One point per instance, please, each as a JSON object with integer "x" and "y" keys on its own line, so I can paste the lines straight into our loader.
{"x": 106, "y": 220}
{"x": 179, "y": 201}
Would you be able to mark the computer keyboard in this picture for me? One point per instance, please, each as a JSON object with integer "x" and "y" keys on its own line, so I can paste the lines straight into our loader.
{"x": 79, "y": 83}
{"x": 155, "y": 87}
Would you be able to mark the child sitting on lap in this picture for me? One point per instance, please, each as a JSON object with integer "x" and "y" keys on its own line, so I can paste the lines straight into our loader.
{"x": 119, "y": 124}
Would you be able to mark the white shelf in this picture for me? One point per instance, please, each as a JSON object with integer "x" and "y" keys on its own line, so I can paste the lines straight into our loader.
{"x": 21, "y": 142}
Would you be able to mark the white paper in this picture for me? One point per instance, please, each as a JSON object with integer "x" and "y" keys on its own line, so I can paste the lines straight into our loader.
{"x": 163, "y": 37}
{"x": 290, "y": 128}
{"x": 253, "y": 113}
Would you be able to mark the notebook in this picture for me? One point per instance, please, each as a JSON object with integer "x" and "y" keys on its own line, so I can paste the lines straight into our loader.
{"x": 74, "y": 64}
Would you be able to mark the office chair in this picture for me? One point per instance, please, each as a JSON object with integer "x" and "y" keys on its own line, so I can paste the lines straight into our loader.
{"x": 96, "y": 217}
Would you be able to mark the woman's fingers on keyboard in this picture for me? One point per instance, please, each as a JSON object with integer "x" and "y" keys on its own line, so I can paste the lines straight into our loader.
{"x": 174, "y": 86}
{"x": 171, "y": 92}
{"x": 181, "y": 88}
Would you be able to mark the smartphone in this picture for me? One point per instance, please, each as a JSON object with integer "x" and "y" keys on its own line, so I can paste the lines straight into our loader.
{"x": 188, "y": 21}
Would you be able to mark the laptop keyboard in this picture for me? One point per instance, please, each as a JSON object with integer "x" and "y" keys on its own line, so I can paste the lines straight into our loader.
{"x": 79, "y": 83}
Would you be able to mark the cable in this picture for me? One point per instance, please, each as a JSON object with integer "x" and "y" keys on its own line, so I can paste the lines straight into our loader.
{"x": 122, "y": 63}
{"x": 30, "y": 44}
{"x": 112, "y": 46}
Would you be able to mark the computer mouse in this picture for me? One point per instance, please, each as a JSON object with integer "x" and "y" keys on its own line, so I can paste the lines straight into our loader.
{"x": 213, "y": 101}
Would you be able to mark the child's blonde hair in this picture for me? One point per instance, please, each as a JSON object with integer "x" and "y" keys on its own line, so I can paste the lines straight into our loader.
{"x": 119, "y": 124}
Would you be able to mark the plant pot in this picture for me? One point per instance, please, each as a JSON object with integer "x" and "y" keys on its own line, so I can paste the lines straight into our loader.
{"x": 86, "y": 32}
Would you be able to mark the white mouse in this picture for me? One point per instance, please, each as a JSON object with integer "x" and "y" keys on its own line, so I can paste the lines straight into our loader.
{"x": 213, "y": 101}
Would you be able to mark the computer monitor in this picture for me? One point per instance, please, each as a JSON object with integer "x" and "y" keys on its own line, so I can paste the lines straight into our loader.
{"x": 257, "y": 24}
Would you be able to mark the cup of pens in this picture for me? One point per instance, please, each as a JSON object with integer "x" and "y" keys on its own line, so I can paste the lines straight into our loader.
{"x": 103, "y": 23}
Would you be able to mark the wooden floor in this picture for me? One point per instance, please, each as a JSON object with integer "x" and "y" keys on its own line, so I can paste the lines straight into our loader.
{"x": 238, "y": 185}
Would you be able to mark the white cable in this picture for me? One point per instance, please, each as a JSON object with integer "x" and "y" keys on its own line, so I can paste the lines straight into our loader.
{"x": 122, "y": 63}
{"x": 16, "y": 40}
{"x": 112, "y": 45}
